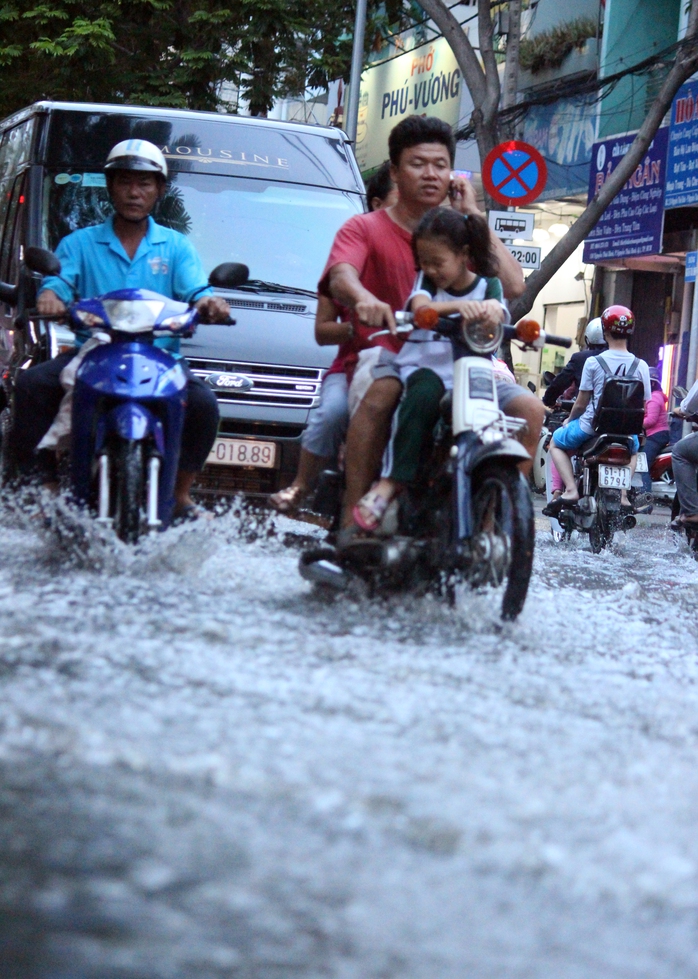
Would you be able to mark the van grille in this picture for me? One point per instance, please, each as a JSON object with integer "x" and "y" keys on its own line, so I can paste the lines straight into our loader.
{"x": 273, "y": 385}
{"x": 267, "y": 304}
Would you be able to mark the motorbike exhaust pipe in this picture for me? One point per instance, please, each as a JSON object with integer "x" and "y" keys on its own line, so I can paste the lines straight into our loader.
{"x": 153, "y": 487}
{"x": 318, "y": 567}
{"x": 103, "y": 517}
{"x": 629, "y": 522}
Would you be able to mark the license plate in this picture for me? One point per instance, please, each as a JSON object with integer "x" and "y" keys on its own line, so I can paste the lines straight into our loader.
{"x": 641, "y": 466}
{"x": 242, "y": 452}
{"x": 614, "y": 477}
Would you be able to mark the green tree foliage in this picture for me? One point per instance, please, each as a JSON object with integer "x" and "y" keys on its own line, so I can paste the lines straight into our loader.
{"x": 175, "y": 52}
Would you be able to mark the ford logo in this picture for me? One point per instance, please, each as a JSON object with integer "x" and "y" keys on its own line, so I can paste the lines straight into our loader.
{"x": 230, "y": 382}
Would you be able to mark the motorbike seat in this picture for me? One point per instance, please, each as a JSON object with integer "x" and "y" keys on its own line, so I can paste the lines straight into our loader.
{"x": 596, "y": 442}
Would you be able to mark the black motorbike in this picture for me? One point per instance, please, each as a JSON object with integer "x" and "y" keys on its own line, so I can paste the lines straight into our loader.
{"x": 469, "y": 515}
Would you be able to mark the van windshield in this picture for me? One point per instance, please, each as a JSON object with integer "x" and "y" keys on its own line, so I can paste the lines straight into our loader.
{"x": 281, "y": 231}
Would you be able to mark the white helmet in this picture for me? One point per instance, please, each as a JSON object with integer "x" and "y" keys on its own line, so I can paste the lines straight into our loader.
{"x": 136, "y": 154}
{"x": 594, "y": 333}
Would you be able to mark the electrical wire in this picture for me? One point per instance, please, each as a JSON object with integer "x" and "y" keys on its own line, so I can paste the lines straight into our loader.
{"x": 589, "y": 85}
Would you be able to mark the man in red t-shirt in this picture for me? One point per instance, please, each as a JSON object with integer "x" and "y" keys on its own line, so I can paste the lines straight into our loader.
{"x": 371, "y": 272}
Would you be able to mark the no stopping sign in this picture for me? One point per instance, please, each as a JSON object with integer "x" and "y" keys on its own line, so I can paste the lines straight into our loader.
{"x": 514, "y": 173}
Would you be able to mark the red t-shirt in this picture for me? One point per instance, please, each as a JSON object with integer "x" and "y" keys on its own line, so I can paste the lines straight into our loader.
{"x": 381, "y": 252}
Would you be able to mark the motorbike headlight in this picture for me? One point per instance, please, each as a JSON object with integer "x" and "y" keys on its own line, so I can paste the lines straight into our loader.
{"x": 133, "y": 315}
{"x": 482, "y": 338}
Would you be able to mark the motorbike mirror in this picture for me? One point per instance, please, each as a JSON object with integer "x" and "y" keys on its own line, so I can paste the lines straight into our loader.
{"x": 426, "y": 318}
{"x": 531, "y": 387}
{"x": 228, "y": 275}
{"x": 548, "y": 378}
{"x": 41, "y": 260}
{"x": 527, "y": 331}
{"x": 679, "y": 392}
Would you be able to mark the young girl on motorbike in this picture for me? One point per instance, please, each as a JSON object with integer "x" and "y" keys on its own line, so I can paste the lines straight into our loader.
{"x": 458, "y": 275}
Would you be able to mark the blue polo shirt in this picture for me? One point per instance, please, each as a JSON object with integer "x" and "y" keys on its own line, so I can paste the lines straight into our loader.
{"x": 94, "y": 260}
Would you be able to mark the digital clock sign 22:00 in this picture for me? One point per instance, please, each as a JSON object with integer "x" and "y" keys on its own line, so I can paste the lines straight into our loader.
{"x": 528, "y": 256}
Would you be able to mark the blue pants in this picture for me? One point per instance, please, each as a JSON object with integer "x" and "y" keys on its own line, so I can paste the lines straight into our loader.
{"x": 653, "y": 446}
{"x": 328, "y": 424}
{"x": 573, "y": 435}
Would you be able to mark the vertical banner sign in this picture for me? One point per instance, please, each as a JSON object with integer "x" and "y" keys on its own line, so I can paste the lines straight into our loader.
{"x": 632, "y": 223}
{"x": 691, "y": 265}
{"x": 682, "y": 158}
{"x": 425, "y": 82}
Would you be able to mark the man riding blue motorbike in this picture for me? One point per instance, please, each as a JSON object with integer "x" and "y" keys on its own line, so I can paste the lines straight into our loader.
{"x": 129, "y": 250}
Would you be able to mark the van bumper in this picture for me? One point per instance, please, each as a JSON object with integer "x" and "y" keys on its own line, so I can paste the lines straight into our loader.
{"x": 284, "y": 427}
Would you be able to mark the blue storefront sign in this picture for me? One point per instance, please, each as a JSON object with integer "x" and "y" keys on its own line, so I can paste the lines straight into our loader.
{"x": 682, "y": 158}
{"x": 691, "y": 266}
{"x": 632, "y": 223}
{"x": 563, "y": 133}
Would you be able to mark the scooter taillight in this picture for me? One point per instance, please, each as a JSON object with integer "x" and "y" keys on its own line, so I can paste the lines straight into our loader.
{"x": 615, "y": 455}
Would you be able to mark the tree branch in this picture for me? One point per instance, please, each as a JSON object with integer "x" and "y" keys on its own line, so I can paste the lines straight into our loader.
{"x": 463, "y": 51}
{"x": 685, "y": 65}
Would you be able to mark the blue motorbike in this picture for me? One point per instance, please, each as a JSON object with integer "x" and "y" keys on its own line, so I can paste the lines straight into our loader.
{"x": 129, "y": 400}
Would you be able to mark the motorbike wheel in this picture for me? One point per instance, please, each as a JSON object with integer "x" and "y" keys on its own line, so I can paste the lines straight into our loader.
{"x": 601, "y": 534}
{"x": 129, "y": 470}
{"x": 502, "y": 506}
{"x": 8, "y": 468}
{"x": 537, "y": 477}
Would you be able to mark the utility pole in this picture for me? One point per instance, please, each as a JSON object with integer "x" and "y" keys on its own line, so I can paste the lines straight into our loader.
{"x": 357, "y": 60}
{"x": 511, "y": 68}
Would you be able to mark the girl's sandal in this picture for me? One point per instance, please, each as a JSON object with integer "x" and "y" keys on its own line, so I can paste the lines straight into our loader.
{"x": 369, "y": 511}
{"x": 287, "y": 500}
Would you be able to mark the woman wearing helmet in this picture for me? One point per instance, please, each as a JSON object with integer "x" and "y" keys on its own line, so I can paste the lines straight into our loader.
{"x": 618, "y": 325}
{"x": 571, "y": 373}
{"x": 128, "y": 251}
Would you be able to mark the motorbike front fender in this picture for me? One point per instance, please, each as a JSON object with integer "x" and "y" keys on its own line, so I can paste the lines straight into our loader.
{"x": 506, "y": 449}
{"x": 472, "y": 454}
{"x": 131, "y": 421}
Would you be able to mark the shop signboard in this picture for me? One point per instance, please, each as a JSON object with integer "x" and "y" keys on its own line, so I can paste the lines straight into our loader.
{"x": 423, "y": 81}
{"x": 563, "y": 132}
{"x": 682, "y": 157}
{"x": 691, "y": 265}
{"x": 632, "y": 223}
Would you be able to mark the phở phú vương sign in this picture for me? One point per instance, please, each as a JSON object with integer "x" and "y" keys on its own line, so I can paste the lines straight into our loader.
{"x": 423, "y": 81}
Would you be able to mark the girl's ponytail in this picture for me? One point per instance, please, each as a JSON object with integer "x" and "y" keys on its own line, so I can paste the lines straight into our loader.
{"x": 460, "y": 231}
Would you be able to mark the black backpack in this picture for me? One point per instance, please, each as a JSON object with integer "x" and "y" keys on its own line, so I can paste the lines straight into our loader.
{"x": 621, "y": 407}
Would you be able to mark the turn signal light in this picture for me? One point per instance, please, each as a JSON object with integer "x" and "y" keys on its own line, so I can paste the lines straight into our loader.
{"x": 426, "y": 318}
{"x": 527, "y": 331}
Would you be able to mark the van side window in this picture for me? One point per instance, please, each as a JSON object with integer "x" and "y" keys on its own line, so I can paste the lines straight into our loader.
{"x": 13, "y": 235}
{"x": 14, "y": 154}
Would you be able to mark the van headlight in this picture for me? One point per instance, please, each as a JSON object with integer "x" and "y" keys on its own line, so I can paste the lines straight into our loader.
{"x": 483, "y": 338}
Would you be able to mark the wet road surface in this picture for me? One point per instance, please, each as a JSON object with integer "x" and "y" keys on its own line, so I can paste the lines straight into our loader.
{"x": 206, "y": 770}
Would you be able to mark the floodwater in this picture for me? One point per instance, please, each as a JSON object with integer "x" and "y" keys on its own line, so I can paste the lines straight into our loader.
{"x": 207, "y": 770}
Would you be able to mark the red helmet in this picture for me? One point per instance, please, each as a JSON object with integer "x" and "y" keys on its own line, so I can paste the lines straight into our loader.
{"x": 619, "y": 321}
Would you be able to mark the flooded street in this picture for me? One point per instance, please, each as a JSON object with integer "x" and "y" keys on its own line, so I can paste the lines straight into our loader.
{"x": 207, "y": 770}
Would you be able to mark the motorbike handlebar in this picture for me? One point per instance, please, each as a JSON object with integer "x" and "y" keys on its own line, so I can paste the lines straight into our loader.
{"x": 558, "y": 341}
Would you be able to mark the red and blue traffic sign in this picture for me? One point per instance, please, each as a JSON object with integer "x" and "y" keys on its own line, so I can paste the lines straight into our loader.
{"x": 514, "y": 173}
